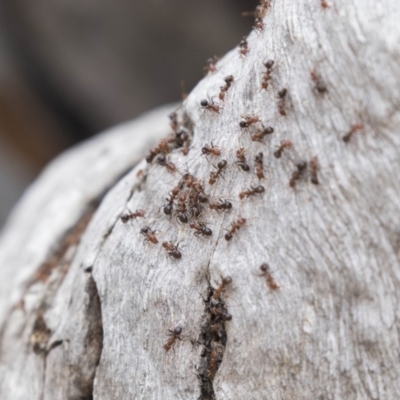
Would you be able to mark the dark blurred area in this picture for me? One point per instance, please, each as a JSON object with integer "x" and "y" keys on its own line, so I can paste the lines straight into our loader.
{"x": 69, "y": 69}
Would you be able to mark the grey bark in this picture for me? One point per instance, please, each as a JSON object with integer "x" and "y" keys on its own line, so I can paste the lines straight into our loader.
{"x": 86, "y": 304}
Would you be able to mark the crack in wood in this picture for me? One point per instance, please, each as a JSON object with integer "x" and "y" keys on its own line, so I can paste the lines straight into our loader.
{"x": 213, "y": 337}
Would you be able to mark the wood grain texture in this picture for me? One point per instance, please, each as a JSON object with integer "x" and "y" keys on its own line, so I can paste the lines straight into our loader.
{"x": 330, "y": 331}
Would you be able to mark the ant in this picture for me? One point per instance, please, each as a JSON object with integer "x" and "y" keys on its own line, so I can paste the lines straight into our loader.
{"x": 259, "y": 161}
{"x": 211, "y": 65}
{"x": 201, "y": 229}
{"x": 318, "y": 81}
{"x": 132, "y": 215}
{"x": 169, "y": 206}
{"x": 221, "y": 288}
{"x": 259, "y": 135}
{"x": 182, "y": 140}
{"x": 324, "y": 4}
{"x": 182, "y": 210}
{"x": 202, "y": 198}
{"x": 181, "y": 137}
{"x": 242, "y": 159}
{"x": 162, "y": 160}
{"x": 215, "y": 359}
{"x": 282, "y": 101}
{"x": 235, "y": 227}
{"x": 210, "y": 106}
{"x": 170, "y": 201}
{"x": 353, "y": 130}
{"x": 243, "y": 47}
{"x": 285, "y": 144}
{"x": 301, "y": 166}
{"x": 172, "y": 250}
{"x": 214, "y": 150}
{"x": 267, "y": 76}
{"x": 163, "y": 147}
{"x": 270, "y": 280}
{"x": 221, "y": 205}
{"x": 314, "y": 166}
{"x": 150, "y": 235}
{"x": 252, "y": 191}
{"x": 175, "y": 334}
{"x": 228, "y": 82}
{"x": 214, "y": 175}
{"x": 221, "y": 312}
{"x": 248, "y": 120}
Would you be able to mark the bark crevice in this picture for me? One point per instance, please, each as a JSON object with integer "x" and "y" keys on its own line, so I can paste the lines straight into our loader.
{"x": 213, "y": 338}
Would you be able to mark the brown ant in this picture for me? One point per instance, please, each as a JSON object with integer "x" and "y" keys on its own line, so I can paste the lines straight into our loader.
{"x": 248, "y": 120}
{"x": 172, "y": 250}
{"x": 282, "y": 101}
{"x": 181, "y": 137}
{"x": 235, "y": 227}
{"x": 285, "y": 144}
{"x": 211, "y": 65}
{"x": 243, "y": 47}
{"x": 259, "y": 161}
{"x": 228, "y": 82}
{"x": 182, "y": 140}
{"x": 150, "y": 235}
{"x": 175, "y": 334}
{"x": 252, "y": 191}
{"x": 132, "y": 215}
{"x": 221, "y": 288}
{"x": 353, "y": 130}
{"x": 318, "y": 81}
{"x": 182, "y": 210}
{"x": 242, "y": 159}
{"x": 215, "y": 175}
{"x": 301, "y": 166}
{"x": 221, "y": 312}
{"x": 194, "y": 200}
{"x": 202, "y": 198}
{"x": 270, "y": 280}
{"x": 169, "y": 206}
{"x": 210, "y": 106}
{"x": 162, "y": 147}
{"x": 314, "y": 166}
{"x": 214, "y": 360}
{"x": 267, "y": 76}
{"x": 170, "y": 201}
{"x": 214, "y": 150}
{"x": 201, "y": 229}
{"x": 162, "y": 160}
{"x": 324, "y": 4}
{"x": 221, "y": 205}
{"x": 259, "y": 135}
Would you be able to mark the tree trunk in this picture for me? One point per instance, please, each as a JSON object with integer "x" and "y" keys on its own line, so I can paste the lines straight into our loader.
{"x": 88, "y": 299}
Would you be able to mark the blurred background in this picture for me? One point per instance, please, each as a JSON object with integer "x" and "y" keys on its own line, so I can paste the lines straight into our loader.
{"x": 71, "y": 68}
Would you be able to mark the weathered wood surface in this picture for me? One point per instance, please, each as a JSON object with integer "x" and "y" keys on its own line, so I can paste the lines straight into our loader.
{"x": 330, "y": 331}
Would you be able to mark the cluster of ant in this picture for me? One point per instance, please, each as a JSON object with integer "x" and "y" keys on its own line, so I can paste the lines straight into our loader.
{"x": 180, "y": 138}
{"x": 213, "y": 337}
{"x": 187, "y": 200}
{"x": 188, "y": 197}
